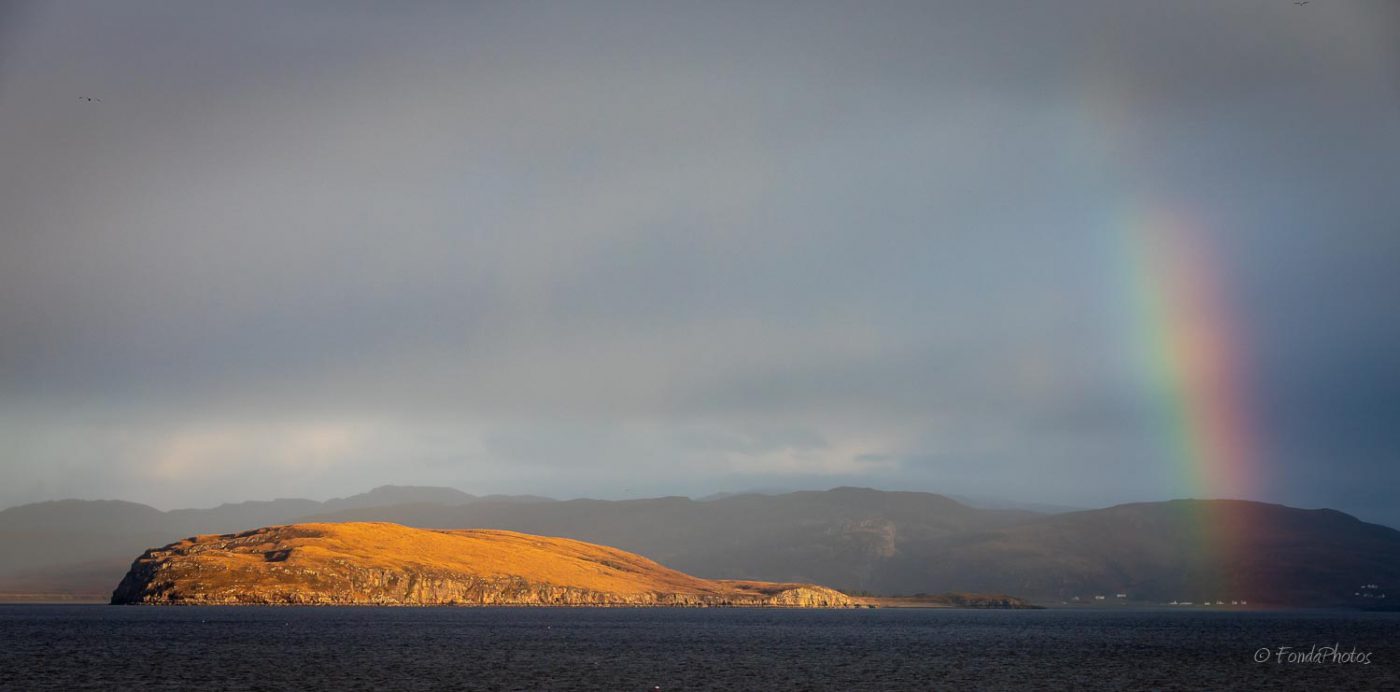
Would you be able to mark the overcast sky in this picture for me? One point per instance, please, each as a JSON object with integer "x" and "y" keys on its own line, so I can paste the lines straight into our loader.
{"x": 615, "y": 250}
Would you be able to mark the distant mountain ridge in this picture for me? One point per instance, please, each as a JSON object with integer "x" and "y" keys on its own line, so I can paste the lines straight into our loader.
{"x": 64, "y": 547}
{"x": 855, "y": 539}
{"x": 60, "y": 514}
{"x": 398, "y": 495}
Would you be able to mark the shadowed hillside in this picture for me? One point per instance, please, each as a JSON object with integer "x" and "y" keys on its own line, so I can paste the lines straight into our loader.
{"x": 1266, "y": 554}
{"x": 841, "y": 537}
{"x": 77, "y": 547}
{"x": 889, "y": 543}
{"x": 853, "y": 539}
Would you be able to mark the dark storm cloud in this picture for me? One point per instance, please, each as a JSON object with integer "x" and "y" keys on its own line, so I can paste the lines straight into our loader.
{"x": 566, "y": 249}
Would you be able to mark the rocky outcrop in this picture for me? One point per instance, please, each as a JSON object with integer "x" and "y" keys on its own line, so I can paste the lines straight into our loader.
{"x": 389, "y": 564}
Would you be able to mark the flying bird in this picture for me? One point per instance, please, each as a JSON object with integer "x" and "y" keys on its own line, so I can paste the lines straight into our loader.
{"x": 90, "y": 99}
{"x": 1300, "y": 4}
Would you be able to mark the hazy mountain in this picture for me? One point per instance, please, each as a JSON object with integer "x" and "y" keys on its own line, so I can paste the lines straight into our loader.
{"x": 750, "y": 491}
{"x": 82, "y": 515}
{"x": 894, "y": 542}
{"x": 74, "y": 546}
{"x": 523, "y": 499}
{"x": 834, "y": 537}
{"x": 986, "y": 502}
{"x": 43, "y": 545}
{"x": 398, "y": 495}
{"x": 849, "y": 538}
{"x": 1162, "y": 551}
{"x": 239, "y": 516}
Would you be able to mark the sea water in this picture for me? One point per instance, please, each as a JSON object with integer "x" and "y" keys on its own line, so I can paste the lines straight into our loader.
{"x": 267, "y": 648}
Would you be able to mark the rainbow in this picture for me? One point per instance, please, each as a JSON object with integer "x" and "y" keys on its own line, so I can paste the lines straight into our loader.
{"x": 1192, "y": 354}
{"x": 1189, "y": 357}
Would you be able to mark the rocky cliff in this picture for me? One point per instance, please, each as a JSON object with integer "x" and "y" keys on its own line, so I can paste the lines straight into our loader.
{"x": 388, "y": 564}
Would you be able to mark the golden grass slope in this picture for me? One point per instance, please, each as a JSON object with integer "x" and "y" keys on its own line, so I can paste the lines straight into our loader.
{"x": 389, "y": 564}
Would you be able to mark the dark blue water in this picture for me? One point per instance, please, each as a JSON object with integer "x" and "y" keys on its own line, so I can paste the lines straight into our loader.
{"x": 251, "y": 648}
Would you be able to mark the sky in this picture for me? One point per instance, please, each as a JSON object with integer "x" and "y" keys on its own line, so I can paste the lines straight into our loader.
{"x": 634, "y": 249}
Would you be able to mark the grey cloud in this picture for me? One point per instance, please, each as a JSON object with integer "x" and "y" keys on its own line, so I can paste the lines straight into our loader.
{"x": 553, "y": 249}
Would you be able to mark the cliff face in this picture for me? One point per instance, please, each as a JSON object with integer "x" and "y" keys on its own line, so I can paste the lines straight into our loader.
{"x": 389, "y": 564}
